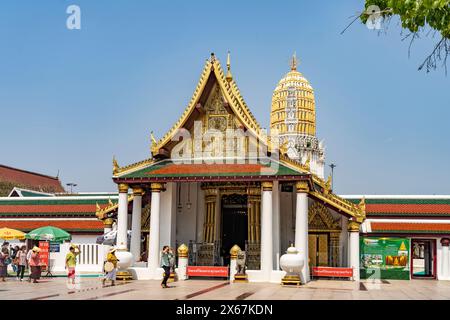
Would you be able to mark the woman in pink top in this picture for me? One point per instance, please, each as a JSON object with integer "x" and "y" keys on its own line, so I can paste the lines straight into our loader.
{"x": 35, "y": 265}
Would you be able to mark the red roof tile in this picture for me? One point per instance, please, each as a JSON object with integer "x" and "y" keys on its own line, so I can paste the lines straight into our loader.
{"x": 68, "y": 225}
{"x": 410, "y": 227}
{"x": 75, "y": 208}
{"x": 408, "y": 208}
{"x": 30, "y": 179}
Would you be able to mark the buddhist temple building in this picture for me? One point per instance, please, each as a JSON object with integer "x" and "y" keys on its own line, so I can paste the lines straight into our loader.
{"x": 216, "y": 179}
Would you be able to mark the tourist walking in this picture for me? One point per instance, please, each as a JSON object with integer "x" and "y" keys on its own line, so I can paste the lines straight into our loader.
{"x": 110, "y": 267}
{"x": 71, "y": 263}
{"x": 21, "y": 259}
{"x": 166, "y": 257}
{"x": 4, "y": 255}
{"x": 35, "y": 265}
{"x": 13, "y": 253}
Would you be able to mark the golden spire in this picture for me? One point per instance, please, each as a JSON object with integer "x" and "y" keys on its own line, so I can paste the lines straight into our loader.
{"x": 110, "y": 202}
{"x": 229, "y": 77}
{"x": 97, "y": 207}
{"x": 294, "y": 61}
{"x": 115, "y": 166}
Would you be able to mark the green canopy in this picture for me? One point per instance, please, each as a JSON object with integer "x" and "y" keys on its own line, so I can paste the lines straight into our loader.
{"x": 49, "y": 233}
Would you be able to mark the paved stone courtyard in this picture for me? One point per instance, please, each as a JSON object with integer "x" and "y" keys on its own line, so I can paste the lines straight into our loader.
{"x": 91, "y": 289}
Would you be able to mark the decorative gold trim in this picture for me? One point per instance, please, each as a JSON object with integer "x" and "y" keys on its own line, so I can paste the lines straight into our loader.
{"x": 341, "y": 204}
{"x": 101, "y": 213}
{"x": 183, "y": 251}
{"x": 353, "y": 226}
{"x": 119, "y": 171}
{"x": 209, "y": 224}
{"x": 116, "y": 167}
{"x": 108, "y": 222}
{"x": 267, "y": 185}
{"x": 156, "y": 186}
{"x": 302, "y": 186}
{"x": 231, "y": 94}
{"x": 138, "y": 191}
{"x": 123, "y": 188}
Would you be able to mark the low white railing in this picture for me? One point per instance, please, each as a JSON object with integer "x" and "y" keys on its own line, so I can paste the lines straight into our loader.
{"x": 90, "y": 259}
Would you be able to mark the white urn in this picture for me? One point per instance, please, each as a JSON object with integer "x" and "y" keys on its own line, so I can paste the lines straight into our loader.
{"x": 125, "y": 259}
{"x": 291, "y": 262}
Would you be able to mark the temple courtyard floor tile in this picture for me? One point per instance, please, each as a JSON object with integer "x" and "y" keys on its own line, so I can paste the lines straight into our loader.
{"x": 92, "y": 289}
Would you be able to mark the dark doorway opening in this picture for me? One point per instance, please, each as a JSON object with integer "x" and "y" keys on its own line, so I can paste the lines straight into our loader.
{"x": 423, "y": 258}
{"x": 234, "y": 223}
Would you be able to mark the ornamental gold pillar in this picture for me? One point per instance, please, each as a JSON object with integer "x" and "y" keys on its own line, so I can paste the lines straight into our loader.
{"x": 253, "y": 216}
{"x": 335, "y": 245}
{"x": 209, "y": 225}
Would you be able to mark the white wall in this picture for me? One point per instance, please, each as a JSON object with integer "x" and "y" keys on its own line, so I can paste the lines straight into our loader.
{"x": 167, "y": 218}
{"x": 187, "y": 226}
{"x": 84, "y": 238}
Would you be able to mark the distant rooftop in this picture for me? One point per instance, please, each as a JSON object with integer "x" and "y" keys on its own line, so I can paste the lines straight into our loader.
{"x": 12, "y": 177}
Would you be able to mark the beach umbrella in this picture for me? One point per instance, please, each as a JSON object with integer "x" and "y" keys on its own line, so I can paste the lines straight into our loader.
{"x": 11, "y": 234}
{"x": 49, "y": 233}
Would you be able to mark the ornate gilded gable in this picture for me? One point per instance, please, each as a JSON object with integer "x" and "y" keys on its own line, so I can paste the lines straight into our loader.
{"x": 320, "y": 219}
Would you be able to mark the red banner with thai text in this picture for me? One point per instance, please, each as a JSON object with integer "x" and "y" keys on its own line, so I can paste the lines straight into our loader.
{"x": 332, "y": 272}
{"x": 195, "y": 271}
{"x": 44, "y": 253}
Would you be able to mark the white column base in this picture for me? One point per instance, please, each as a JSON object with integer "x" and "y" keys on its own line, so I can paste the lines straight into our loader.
{"x": 182, "y": 268}
{"x": 233, "y": 270}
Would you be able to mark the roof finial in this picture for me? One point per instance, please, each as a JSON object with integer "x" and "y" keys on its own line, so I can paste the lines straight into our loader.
{"x": 294, "y": 61}
{"x": 229, "y": 77}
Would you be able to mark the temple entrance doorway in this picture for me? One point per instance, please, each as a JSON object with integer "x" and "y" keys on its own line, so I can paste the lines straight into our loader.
{"x": 234, "y": 223}
{"x": 318, "y": 249}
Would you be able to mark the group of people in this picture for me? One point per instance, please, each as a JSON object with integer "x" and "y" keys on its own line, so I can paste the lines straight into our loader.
{"x": 20, "y": 259}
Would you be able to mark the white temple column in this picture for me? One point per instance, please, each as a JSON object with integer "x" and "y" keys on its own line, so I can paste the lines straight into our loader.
{"x": 276, "y": 225}
{"x": 353, "y": 229}
{"x": 266, "y": 231}
{"x": 445, "y": 242}
{"x": 135, "y": 246}
{"x": 122, "y": 217}
{"x": 153, "y": 247}
{"x": 301, "y": 227}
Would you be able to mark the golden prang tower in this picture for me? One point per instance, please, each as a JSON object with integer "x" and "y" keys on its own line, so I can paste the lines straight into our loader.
{"x": 293, "y": 118}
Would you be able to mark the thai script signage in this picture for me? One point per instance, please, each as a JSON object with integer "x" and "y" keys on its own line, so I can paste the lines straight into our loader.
{"x": 194, "y": 271}
{"x": 332, "y": 272}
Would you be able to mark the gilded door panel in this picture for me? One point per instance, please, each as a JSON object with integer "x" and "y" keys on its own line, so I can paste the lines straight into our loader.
{"x": 322, "y": 250}
{"x": 312, "y": 249}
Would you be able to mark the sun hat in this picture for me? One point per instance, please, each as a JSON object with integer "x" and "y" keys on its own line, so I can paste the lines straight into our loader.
{"x": 36, "y": 249}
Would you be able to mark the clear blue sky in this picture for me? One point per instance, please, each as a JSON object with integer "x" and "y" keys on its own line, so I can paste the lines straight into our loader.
{"x": 71, "y": 99}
